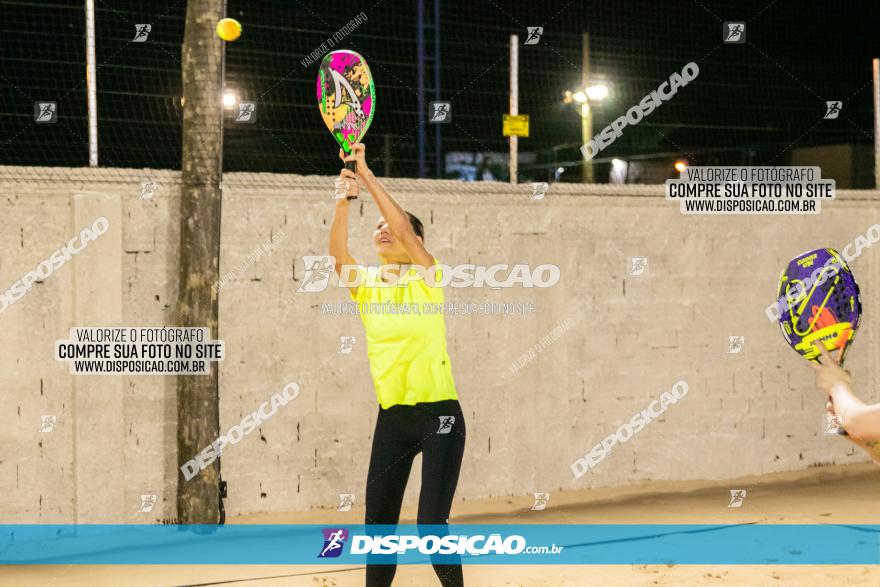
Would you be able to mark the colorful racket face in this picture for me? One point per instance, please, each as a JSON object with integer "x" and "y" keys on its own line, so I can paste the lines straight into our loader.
{"x": 346, "y": 96}
{"x": 820, "y": 303}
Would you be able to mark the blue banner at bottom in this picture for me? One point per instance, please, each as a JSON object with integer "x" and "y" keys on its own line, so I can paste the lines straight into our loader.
{"x": 520, "y": 544}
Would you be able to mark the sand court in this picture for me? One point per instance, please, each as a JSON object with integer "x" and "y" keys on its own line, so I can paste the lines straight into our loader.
{"x": 832, "y": 495}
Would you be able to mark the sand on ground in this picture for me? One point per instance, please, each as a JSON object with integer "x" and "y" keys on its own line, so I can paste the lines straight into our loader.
{"x": 835, "y": 495}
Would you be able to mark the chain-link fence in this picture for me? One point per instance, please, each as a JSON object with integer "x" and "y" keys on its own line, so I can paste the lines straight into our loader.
{"x": 758, "y": 101}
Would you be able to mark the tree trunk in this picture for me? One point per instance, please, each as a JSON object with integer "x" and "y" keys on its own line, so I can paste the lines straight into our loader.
{"x": 198, "y": 500}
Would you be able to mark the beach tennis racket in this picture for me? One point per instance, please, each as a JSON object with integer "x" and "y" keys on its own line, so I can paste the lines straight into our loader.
{"x": 820, "y": 304}
{"x": 346, "y": 98}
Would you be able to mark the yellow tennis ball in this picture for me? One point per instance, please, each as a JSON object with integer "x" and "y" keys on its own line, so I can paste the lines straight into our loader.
{"x": 228, "y": 29}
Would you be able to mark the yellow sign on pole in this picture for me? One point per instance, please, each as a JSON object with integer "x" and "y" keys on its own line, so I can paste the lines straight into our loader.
{"x": 516, "y": 126}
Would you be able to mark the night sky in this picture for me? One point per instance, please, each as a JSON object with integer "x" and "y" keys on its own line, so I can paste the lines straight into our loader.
{"x": 751, "y": 103}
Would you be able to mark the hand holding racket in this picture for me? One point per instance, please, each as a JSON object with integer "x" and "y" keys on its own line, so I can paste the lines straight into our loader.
{"x": 346, "y": 185}
{"x": 356, "y": 160}
{"x": 830, "y": 372}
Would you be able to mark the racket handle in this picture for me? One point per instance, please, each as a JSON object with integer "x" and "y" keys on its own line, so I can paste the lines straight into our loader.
{"x": 351, "y": 166}
{"x": 843, "y": 432}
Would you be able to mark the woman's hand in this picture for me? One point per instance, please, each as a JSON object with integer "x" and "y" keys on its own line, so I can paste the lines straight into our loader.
{"x": 346, "y": 186}
{"x": 358, "y": 155}
{"x": 829, "y": 374}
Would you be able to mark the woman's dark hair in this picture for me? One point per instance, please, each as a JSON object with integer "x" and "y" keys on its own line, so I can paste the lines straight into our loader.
{"x": 417, "y": 225}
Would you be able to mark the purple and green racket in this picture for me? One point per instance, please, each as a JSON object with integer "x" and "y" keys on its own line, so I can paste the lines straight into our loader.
{"x": 820, "y": 303}
{"x": 346, "y": 97}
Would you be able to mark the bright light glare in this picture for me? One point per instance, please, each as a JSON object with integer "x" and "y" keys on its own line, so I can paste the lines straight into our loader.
{"x": 680, "y": 166}
{"x": 618, "y": 162}
{"x": 579, "y": 97}
{"x": 597, "y": 92}
{"x": 229, "y": 99}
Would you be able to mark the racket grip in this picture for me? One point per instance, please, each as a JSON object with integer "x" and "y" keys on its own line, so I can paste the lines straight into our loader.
{"x": 843, "y": 432}
{"x": 351, "y": 166}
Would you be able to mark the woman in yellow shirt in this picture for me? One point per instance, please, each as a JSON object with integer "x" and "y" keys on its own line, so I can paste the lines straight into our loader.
{"x": 409, "y": 364}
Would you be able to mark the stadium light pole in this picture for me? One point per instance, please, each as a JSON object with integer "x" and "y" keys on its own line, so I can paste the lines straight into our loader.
{"x": 420, "y": 83}
{"x": 91, "y": 83}
{"x": 586, "y": 110}
{"x": 876, "y": 75}
{"x": 583, "y": 99}
{"x": 514, "y": 105}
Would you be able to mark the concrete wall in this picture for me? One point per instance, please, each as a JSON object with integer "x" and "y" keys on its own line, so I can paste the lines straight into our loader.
{"x": 709, "y": 277}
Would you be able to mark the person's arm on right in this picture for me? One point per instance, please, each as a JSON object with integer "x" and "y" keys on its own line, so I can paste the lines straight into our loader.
{"x": 871, "y": 447}
{"x": 860, "y": 420}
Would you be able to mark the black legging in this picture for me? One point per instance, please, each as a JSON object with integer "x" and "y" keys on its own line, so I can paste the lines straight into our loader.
{"x": 401, "y": 433}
